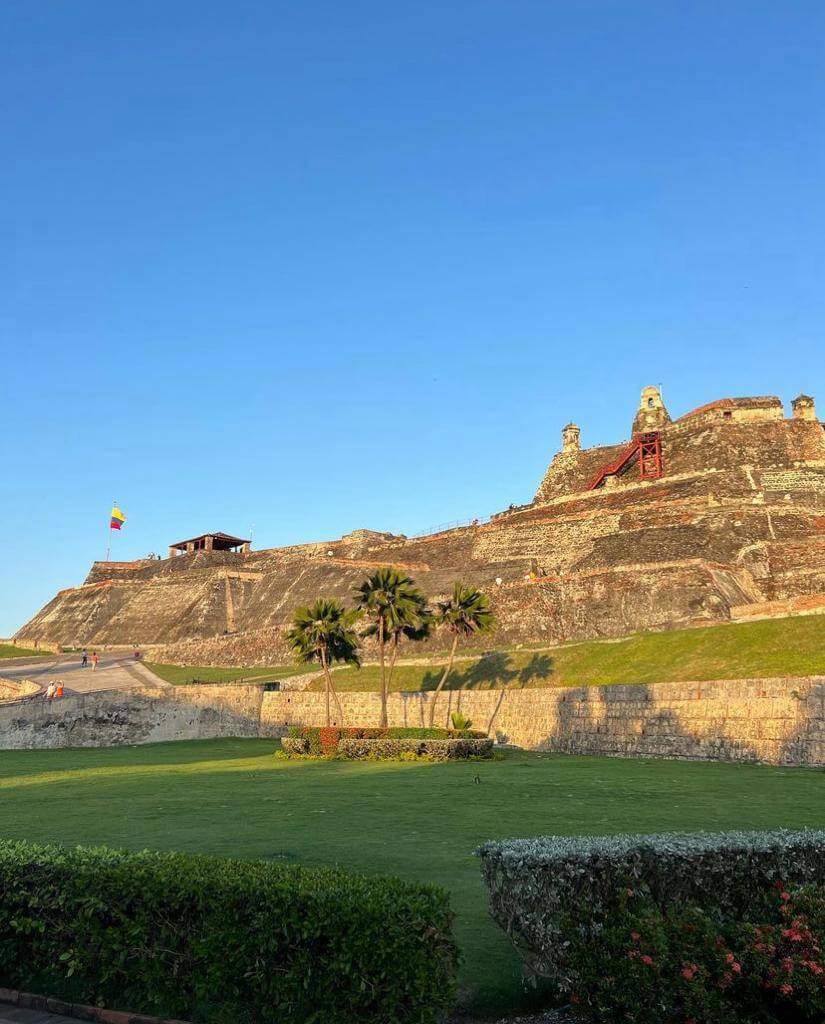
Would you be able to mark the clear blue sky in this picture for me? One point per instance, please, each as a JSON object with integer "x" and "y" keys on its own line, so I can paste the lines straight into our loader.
{"x": 318, "y": 266}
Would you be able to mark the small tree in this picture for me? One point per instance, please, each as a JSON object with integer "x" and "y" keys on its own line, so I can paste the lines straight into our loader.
{"x": 324, "y": 632}
{"x": 391, "y": 601}
{"x": 465, "y": 613}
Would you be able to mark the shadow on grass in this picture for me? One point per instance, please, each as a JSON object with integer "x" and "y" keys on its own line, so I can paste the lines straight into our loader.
{"x": 494, "y": 671}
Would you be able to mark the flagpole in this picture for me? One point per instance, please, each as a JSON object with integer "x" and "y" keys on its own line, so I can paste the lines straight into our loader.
{"x": 109, "y": 545}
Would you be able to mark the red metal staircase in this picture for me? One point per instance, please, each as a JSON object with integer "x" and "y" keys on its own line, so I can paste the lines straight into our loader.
{"x": 648, "y": 449}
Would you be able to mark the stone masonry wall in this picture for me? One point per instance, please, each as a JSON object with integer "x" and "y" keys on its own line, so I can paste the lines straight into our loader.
{"x": 112, "y": 719}
{"x": 776, "y": 721}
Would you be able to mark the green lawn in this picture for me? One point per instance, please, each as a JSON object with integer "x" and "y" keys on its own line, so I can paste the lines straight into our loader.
{"x": 12, "y": 651}
{"x": 420, "y": 821}
{"x": 773, "y": 647}
{"x": 180, "y": 675}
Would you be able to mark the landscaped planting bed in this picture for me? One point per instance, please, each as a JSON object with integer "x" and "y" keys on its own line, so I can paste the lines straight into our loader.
{"x": 710, "y": 928}
{"x": 386, "y": 744}
{"x": 223, "y": 941}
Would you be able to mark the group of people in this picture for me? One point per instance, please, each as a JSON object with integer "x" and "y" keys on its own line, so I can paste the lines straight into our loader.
{"x": 84, "y": 660}
{"x": 54, "y": 689}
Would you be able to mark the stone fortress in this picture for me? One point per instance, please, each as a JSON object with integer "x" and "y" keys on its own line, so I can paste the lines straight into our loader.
{"x": 714, "y": 516}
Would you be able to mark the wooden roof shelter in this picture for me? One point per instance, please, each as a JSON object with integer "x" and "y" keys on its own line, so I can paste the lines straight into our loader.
{"x": 210, "y": 542}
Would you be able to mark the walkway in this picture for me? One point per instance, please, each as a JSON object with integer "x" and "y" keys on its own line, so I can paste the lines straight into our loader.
{"x": 116, "y": 671}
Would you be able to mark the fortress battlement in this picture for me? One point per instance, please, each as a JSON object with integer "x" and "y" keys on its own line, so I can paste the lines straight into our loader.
{"x": 720, "y": 509}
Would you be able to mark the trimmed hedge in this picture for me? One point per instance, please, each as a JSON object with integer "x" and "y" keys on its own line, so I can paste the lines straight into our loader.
{"x": 546, "y": 892}
{"x": 433, "y": 750}
{"x": 324, "y": 740}
{"x": 223, "y": 941}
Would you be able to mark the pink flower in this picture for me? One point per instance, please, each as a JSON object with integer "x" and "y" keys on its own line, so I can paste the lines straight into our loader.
{"x": 786, "y": 990}
{"x": 647, "y": 960}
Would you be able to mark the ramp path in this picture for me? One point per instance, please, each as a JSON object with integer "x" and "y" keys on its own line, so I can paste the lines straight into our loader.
{"x": 115, "y": 671}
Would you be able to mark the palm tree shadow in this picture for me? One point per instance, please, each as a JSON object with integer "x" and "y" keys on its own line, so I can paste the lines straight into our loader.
{"x": 493, "y": 671}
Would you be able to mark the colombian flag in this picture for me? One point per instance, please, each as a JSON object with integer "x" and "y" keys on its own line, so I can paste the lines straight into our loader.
{"x": 117, "y": 520}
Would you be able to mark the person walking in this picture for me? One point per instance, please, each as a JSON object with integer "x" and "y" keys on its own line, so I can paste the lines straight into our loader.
{"x": 84, "y": 661}
{"x": 95, "y": 660}
{"x": 50, "y": 691}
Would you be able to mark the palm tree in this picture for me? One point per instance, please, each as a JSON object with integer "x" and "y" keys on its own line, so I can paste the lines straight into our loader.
{"x": 419, "y": 626}
{"x": 464, "y": 614}
{"x": 391, "y": 602}
{"x": 324, "y": 632}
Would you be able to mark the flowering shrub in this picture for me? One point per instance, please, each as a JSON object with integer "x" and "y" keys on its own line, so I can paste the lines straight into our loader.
{"x": 670, "y": 929}
{"x": 324, "y": 742}
{"x": 679, "y": 965}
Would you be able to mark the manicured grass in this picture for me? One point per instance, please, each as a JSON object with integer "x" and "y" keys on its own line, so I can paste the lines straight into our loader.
{"x": 419, "y": 821}
{"x": 773, "y": 647}
{"x": 180, "y": 675}
{"x": 12, "y": 651}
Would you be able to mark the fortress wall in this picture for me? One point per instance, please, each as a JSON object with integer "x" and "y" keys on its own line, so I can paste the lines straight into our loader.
{"x": 776, "y": 721}
{"x": 112, "y": 718}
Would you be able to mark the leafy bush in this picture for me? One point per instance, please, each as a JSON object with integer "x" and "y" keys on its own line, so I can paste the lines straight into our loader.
{"x": 654, "y": 965}
{"x": 224, "y": 941}
{"x": 460, "y": 721}
{"x": 324, "y": 741}
{"x": 622, "y": 924}
{"x": 428, "y": 749}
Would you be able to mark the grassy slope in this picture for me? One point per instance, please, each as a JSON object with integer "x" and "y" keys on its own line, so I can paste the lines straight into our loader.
{"x": 773, "y": 647}
{"x": 182, "y": 674}
{"x": 11, "y": 651}
{"x": 420, "y": 821}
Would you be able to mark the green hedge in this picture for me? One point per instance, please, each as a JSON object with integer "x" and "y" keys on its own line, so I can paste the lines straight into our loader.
{"x": 324, "y": 740}
{"x": 544, "y": 892}
{"x": 222, "y": 941}
{"x": 427, "y": 749}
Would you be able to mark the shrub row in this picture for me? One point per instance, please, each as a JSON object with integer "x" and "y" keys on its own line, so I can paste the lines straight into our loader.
{"x": 682, "y": 963}
{"x": 324, "y": 740}
{"x": 223, "y": 941}
{"x": 432, "y": 750}
{"x": 560, "y": 898}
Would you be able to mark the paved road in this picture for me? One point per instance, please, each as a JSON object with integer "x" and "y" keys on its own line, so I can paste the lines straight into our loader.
{"x": 117, "y": 671}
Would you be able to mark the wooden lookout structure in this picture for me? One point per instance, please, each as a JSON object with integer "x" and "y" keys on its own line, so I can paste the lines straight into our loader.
{"x": 210, "y": 542}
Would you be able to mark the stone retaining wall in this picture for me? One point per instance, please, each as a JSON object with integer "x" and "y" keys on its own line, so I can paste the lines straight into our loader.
{"x": 111, "y": 718}
{"x": 777, "y": 721}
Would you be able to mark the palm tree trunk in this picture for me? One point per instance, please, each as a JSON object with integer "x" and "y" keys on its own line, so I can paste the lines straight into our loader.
{"x": 331, "y": 690}
{"x": 442, "y": 681}
{"x": 383, "y": 719}
{"x": 392, "y": 660}
{"x": 327, "y": 683}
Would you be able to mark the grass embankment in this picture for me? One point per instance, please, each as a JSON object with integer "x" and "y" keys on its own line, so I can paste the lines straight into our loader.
{"x": 13, "y": 651}
{"x": 418, "y": 821}
{"x": 181, "y": 675}
{"x": 773, "y": 647}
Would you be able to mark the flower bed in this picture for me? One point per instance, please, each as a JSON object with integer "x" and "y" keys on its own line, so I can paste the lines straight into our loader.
{"x": 713, "y": 929}
{"x": 435, "y": 744}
